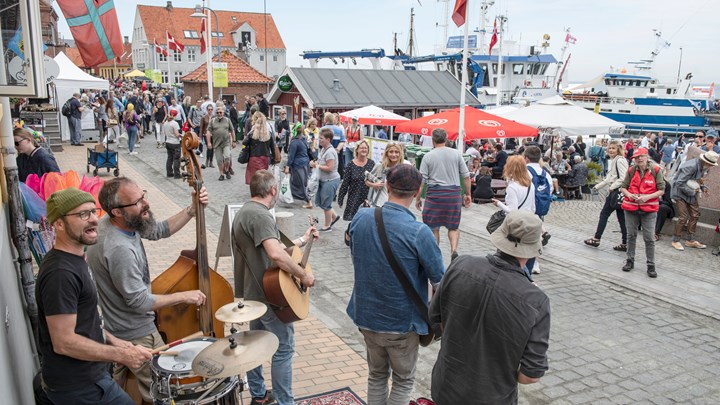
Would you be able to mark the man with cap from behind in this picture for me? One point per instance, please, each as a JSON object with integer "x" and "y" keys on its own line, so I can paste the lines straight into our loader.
{"x": 71, "y": 339}
{"x": 386, "y": 315}
{"x": 496, "y": 322}
{"x": 642, "y": 187}
{"x": 687, "y": 188}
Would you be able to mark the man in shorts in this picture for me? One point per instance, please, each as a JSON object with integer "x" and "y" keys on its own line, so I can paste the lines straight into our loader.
{"x": 222, "y": 140}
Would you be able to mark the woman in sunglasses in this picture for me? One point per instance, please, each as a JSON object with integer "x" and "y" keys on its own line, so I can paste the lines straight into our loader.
{"x": 32, "y": 158}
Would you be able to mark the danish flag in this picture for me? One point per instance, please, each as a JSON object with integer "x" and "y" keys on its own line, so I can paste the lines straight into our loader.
{"x": 202, "y": 36}
{"x": 160, "y": 49}
{"x": 173, "y": 44}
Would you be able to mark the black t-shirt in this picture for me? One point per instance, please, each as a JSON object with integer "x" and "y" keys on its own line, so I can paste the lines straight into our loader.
{"x": 65, "y": 286}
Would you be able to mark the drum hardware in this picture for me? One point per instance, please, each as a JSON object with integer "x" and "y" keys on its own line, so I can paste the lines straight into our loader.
{"x": 236, "y": 354}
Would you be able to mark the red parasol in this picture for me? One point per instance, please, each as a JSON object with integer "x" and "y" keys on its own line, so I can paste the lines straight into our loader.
{"x": 478, "y": 125}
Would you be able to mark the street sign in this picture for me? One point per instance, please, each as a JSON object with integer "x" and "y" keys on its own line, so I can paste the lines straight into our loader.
{"x": 220, "y": 74}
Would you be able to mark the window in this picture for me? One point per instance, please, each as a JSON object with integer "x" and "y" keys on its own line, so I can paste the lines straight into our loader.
{"x": 543, "y": 68}
{"x": 668, "y": 91}
{"x": 275, "y": 58}
{"x": 164, "y": 76}
{"x": 518, "y": 68}
{"x": 536, "y": 68}
{"x": 191, "y": 54}
{"x": 191, "y": 34}
{"x": 217, "y": 34}
{"x": 177, "y": 57}
{"x": 178, "y": 75}
{"x": 162, "y": 57}
{"x": 245, "y": 37}
{"x": 262, "y": 58}
{"x": 652, "y": 89}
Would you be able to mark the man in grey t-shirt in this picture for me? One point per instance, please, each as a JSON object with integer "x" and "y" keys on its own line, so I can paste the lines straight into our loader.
{"x": 443, "y": 169}
{"x": 121, "y": 271}
{"x": 256, "y": 244}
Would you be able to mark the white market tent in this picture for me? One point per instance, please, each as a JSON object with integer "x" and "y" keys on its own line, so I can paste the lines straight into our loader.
{"x": 70, "y": 80}
{"x": 563, "y": 118}
{"x": 372, "y": 115}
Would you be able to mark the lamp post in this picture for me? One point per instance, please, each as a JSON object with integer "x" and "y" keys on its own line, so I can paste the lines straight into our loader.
{"x": 200, "y": 14}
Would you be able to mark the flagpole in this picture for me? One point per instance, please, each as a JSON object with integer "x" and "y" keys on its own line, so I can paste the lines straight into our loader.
{"x": 208, "y": 51}
{"x": 171, "y": 79}
{"x": 463, "y": 86}
{"x": 498, "y": 95}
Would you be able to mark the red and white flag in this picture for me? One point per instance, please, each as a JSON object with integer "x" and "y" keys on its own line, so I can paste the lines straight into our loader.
{"x": 459, "y": 12}
{"x": 494, "y": 38}
{"x": 159, "y": 49}
{"x": 202, "y": 36}
{"x": 570, "y": 39}
{"x": 173, "y": 44}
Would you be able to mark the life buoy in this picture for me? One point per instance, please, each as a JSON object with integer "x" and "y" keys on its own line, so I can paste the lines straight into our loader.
{"x": 629, "y": 101}
{"x": 544, "y": 85}
{"x": 527, "y": 83}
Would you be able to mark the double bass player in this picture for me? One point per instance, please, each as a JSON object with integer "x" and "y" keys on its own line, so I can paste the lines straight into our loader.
{"x": 121, "y": 270}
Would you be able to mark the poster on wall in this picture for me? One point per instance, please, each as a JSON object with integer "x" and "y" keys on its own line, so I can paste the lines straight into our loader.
{"x": 377, "y": 148}
{"x": 220, "y": 74}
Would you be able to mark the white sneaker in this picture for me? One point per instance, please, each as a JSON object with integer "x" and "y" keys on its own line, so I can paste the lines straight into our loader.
{"x": 137, "y": 145}
{"x": 536, "y": 268}
{"x": 133, "y": 153}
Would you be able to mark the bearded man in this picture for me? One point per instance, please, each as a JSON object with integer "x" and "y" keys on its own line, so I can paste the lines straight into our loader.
{"x": 122, "y": 274}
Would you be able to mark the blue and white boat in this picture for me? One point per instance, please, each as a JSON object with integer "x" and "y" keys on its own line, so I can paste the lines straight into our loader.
{"x": 642, "y": 103}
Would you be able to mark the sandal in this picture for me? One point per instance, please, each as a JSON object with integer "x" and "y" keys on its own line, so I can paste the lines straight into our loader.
{"x": 593, "y": 242}
{"x": 620, "y": 248}
{"x": 337, "y": 218}
{"x": 657, "y": 237}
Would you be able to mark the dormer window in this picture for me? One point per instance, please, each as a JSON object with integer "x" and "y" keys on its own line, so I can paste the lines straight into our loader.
{"x": 191, "y": 34}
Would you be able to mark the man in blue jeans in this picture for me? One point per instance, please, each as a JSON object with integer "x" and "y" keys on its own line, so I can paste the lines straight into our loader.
{"x": 386, "y": 315}
{"x": 76, "y": 110}
{"x": 256, "y": 245}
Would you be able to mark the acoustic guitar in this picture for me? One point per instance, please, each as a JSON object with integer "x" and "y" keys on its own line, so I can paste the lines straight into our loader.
{"x": 290, "y": 298}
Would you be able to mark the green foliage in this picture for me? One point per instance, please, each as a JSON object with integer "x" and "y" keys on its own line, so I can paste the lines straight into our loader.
{"x": 594, "y": 172}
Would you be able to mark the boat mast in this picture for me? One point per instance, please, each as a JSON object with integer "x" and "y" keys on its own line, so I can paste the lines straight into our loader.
{"x": 561, "y": 62}
{"x": 411, "y": 41}
{"x": 486, "y": 4}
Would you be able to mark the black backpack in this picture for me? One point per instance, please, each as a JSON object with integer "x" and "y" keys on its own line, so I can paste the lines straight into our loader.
{"x": 66, "y": 108}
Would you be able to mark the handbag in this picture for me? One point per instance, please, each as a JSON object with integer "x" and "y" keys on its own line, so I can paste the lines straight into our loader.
{"x": 186, "y": 126}
{"x": 434, "y": 330}
{"x": 244, "y": 155}
{"x": 277, "y": 157}
{"x": 498, "y": 217}
{"x": 615, "y": 196}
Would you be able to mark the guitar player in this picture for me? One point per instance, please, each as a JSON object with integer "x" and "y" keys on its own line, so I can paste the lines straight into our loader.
{"x": 256, "y": 245}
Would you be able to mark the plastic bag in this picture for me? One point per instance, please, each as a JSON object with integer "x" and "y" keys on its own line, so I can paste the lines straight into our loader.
{"x": 313, "y": 184}
{"x": 285, "y": 193}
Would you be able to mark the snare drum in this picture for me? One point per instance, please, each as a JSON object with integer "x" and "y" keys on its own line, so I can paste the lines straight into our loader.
{"x": 174, "y": 381}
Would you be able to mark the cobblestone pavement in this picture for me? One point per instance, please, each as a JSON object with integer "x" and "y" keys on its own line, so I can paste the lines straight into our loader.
{"x": 616, "y": 337}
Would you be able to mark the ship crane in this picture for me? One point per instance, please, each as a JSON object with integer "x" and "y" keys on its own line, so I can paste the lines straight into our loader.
{"x": 373, "y": 55}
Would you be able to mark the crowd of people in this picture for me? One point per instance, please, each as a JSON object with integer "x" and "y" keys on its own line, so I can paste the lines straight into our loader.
{"x": 397, "y": 260}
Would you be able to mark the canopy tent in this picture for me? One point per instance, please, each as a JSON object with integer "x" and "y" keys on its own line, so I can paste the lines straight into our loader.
{"x": 70, "y": 80}
{"x": 478, "y": 125}
{"x": 372, "y": 115}
{"x": 562, "y": 117}
{"x": 133, "y": 74}
{"x": 587, "y": 85}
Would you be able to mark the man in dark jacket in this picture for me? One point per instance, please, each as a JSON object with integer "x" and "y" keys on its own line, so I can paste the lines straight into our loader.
{"x": 483, "y": 358}
{"x": 282, "y": 129}
{"x": 263, "y": 104}
{"x": 233, "y": 114}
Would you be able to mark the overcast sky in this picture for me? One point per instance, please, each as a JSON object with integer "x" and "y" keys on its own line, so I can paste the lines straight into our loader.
{"x": 609, "y": 32}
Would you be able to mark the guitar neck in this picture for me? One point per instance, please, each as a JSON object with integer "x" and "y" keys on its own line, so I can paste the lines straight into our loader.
{"x": 206, "y": 316}
{"x": 306, "y": 252}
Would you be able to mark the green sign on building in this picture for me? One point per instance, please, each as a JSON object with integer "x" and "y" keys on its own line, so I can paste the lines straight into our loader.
{"x": 285, "y": 84}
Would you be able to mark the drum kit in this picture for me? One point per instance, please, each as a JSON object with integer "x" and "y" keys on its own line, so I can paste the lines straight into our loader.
{"x": 206, "y": 370}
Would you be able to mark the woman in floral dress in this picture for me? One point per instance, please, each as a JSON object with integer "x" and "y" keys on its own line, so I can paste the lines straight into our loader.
{"x": 353, "y": 184}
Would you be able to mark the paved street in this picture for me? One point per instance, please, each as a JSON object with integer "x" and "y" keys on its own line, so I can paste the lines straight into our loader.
{"x": 616, "y": 337}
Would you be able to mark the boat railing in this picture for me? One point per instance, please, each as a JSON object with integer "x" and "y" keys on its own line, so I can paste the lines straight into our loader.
{"x": 592, "y": 98}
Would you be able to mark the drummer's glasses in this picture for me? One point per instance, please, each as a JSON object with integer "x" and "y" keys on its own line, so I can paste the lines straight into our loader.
{"x": 136, "y": 202}
{"x": 83, "y": 215}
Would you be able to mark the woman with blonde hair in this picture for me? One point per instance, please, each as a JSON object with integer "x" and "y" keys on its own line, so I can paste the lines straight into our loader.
{"x": 261, "y": 144}
{"x": 580, "y": 146}
{"x": 393, "y": 155}
{"x": 132, "y": 125}
{"x": 113, "y": 123}
{"x": 311, "y": 134}
{"x": 32, "y": 159}
{"x": 520, "y": 192}
{"x": 353, "y": 184}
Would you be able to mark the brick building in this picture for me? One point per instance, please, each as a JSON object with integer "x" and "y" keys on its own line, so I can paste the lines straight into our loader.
{"x": 243, "y": 80}
{"x": 243, "y": 34}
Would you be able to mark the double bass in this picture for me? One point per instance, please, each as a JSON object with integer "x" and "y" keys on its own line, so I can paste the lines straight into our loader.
{"x": 191, "y": 270}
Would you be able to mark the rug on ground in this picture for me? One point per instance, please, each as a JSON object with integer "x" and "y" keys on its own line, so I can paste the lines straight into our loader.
{"x": 342, "y": 396}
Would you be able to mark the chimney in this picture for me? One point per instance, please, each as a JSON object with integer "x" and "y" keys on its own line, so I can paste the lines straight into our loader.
{"x": 169, "y": 6}
{"x": 126, "y": 39}
{"x": 336, "y": 86}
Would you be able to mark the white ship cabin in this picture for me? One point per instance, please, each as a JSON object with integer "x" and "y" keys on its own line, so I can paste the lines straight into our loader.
{"x": 623, "y": 86}
{"x": 523, "y": 77}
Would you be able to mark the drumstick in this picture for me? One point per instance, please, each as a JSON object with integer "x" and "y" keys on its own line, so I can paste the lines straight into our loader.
{"x": 169, "y": 353}
{"x": 177, "y": 342}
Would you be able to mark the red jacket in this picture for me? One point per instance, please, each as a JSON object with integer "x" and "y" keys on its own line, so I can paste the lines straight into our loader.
{"x": 643, "y": 186}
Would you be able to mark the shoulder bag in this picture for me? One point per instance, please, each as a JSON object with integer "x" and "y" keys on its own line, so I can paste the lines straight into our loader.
{"x": 434, "y": 330}
{"x": 498, "y": 217}
{"x": 615, "y": 196}
{"x": 244, "y": 155}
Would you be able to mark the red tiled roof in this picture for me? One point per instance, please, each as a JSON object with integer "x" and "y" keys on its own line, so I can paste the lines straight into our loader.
{"x": 74, "y": 55}
{"x": 239, "y": 71}
{"x": 158, "y": 19}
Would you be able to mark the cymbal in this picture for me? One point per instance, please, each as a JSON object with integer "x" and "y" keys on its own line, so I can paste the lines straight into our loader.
{"x": 236, "y": 354}
{"x": 235, "y": 313}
